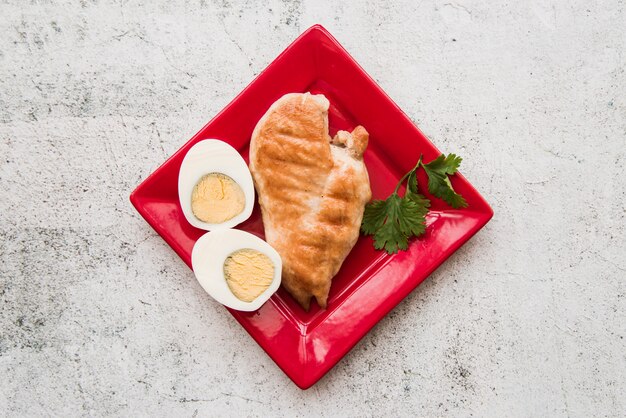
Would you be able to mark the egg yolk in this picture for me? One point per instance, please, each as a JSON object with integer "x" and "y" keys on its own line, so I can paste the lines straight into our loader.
{"x": 216, "y": 198}
{"x": 248, "y": 273}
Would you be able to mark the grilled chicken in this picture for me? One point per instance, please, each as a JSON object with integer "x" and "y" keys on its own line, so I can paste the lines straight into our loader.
{"x": 312, "y": 191}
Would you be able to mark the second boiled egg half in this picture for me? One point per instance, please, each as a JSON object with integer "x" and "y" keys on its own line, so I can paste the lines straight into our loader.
{"x": 236, "y": 268}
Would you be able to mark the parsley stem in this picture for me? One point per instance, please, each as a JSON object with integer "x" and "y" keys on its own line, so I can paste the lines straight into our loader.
{"x": 395, "y": 191}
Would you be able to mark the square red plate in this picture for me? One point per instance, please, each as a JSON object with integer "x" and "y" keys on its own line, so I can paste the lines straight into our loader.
{"x": 305, "y": 345}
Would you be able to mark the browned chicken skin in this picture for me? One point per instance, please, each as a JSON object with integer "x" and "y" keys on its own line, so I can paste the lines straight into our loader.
{"x": 312, "y": 194}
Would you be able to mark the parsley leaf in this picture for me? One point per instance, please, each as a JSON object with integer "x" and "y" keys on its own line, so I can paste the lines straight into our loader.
{"x": 390, "y": 235}
{"x": 438, "y": 181}
{"x": 374, "y": 216}
{"x": 393, "y": 221}
{"x": 445, "y": 165}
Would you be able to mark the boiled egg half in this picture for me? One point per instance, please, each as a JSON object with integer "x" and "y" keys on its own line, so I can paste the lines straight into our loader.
{"x": 215, "y": 187}
{"x": 236, "y": 268}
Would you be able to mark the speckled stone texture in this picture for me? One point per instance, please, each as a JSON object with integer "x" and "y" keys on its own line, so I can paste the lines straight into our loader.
{"x": 99, "y": 317}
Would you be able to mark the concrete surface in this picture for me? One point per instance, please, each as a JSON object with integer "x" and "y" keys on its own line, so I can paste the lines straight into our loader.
{"x": 99, "y": 317}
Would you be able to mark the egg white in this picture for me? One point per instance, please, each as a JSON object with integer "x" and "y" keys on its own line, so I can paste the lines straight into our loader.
{"x": 214, "y": 156}
{"x": 208, "y": 257}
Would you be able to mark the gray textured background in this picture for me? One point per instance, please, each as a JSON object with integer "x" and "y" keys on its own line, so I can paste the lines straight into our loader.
{"x": 99, "y": 317}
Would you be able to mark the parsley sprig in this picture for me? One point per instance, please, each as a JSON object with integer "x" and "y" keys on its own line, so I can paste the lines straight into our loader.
{"x": 393, "y": 221}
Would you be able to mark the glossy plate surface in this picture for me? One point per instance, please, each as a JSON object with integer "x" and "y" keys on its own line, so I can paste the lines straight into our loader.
{"x": 305, "y": 345}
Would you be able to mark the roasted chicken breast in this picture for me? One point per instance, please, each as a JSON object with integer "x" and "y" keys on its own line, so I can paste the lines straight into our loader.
{"x": 312, "y": 191}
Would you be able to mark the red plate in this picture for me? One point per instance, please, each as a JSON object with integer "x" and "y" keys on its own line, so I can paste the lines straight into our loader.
{"x": 305, "y": 345}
